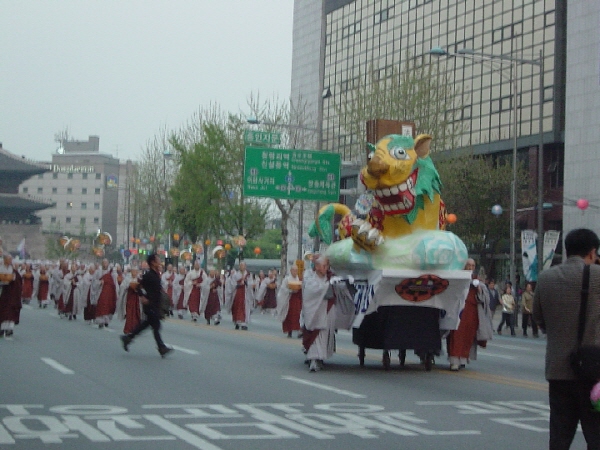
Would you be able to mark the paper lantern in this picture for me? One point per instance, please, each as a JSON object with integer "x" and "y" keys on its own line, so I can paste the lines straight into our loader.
{"x": 176, "y": 236}
{"x": 451, "y": 218}
{"x": 583, "y": 204}
{"x": 138, "y": 241}
{"x": 207, "y": 242}
{"x": 595, "y": 396}
{"x": 227, "y": 247}
{"x": 152, "y": 238}
{"x": 186, "y": 255}
{"x": 219, "y": 242}
{"x": 496, "y": 210}
{"x": 132, "y": 239}
{"x": 242, "y": 241}
{"x": 175, "y": 252}
{"x": 257, "y": 251}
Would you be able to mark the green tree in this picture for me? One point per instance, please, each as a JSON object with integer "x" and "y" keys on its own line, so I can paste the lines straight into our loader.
{"x": 207, "y": 195}
{"x": 471, "y": 186}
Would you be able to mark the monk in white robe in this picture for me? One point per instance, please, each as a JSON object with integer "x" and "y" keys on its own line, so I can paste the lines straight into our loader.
{"x": 241, "y": 298}
{"x": 318, "y": 308}
{"x": 289, "y": 302}
{"x": 178, "y": 293}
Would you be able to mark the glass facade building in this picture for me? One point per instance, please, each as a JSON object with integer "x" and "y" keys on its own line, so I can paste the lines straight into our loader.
{"x": 369, "y": 40}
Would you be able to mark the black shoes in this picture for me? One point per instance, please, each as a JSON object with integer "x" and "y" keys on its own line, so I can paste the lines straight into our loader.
{"x": 126, "y": 340}
{"x": 164, "y": 350}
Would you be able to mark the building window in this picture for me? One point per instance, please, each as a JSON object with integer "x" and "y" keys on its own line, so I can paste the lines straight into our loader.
{"x": 84, "y": 176}
{"x": 98, "y": 176}
{"x": 84, "y": 191}
{"x": 53, "y": 219}
{"x": 68, "y": 220}
{"x": 96, "y": 220}
{"x": 69, "y": 190}
{"x": 97, "y": 191}
{"x": 25, "y": 190}
{"x": 84, "y": 205}
{"x": 40, "y": 190}
{"x": 69, "y": 205}
{"x": 96, "y": 205}
{"x": 82, "y": 221}
{"x": 54, "y": 176}
{"x": 69, "y": 176}
{"x": 54, "y": 190}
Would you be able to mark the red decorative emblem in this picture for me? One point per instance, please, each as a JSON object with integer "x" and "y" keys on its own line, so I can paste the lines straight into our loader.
{"x": 422, "y": 288}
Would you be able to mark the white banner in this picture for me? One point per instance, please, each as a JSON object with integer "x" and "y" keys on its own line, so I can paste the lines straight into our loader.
{"x": 529, "y": 254}
{"x": 550, "y": 240}
{"x": 445, "y": 290}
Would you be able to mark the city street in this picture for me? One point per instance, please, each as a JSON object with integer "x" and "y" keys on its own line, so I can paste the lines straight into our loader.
{"x": 68, "y": 385}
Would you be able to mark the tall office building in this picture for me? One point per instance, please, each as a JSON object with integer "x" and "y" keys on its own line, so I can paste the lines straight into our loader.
{"x": 582, "y": 138}
{"x": 367, "y": 40}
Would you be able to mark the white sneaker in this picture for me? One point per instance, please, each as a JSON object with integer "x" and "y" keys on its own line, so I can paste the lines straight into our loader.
{"x": 314, "y": 366}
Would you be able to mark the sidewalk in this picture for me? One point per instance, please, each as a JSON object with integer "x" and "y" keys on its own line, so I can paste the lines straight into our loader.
{"x": 518, "y": 327}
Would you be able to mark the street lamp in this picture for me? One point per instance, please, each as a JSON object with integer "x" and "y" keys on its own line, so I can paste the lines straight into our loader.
{"x": 482, "y": 57}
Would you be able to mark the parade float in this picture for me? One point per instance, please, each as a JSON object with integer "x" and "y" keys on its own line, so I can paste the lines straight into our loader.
{"x": 403, "y": 269}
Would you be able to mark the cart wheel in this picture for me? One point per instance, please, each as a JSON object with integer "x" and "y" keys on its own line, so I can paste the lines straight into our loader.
{"x": 386, "y": 360}
{"x": 402, "y": 357}
{"x": 361, "y": 356}
{"x": 428, "y": 362}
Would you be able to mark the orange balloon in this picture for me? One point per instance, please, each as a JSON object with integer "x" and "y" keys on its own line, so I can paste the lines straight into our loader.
{"x": 227, "y": 247}
{"x": 257, "y": 251}
{"x": 451, "y": 218}
{"x": 132, "y": 239}
{"x": 152, "y": 238}
{"x": 138, "y": 240}
{"x": 176, "y": 236}
{"x": 207, "y": 242}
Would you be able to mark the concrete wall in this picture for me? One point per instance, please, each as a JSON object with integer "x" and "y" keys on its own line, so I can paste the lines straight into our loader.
{"x": 582, "y": 137}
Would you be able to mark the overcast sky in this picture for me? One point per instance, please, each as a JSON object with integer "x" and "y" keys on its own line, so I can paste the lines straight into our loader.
{"x": 122, "y": 69}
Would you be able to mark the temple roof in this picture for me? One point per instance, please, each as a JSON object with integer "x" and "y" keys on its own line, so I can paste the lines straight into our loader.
{"x": 12, "y": 163}
{"x": 19, "y": 207}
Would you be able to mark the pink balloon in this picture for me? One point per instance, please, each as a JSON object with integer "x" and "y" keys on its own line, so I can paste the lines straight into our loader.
{"x": 595, "y": 393}
{"x": 583, "y": 204}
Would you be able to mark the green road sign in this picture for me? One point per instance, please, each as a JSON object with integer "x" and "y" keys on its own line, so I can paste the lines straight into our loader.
{"x": 261, "y": 137}
{"x": 292, "y": 174}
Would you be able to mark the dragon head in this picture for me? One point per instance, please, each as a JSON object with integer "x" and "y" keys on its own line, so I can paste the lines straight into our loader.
{"x": 399, "y": 173}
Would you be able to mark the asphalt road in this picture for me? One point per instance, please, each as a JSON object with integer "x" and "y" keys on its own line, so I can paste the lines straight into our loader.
{"x": 68, "y": 385}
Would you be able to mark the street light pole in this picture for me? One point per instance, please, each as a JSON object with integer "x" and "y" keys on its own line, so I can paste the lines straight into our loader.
{"x": 468, "y": 53}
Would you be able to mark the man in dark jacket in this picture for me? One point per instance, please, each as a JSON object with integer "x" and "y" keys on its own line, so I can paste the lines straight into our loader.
{"x": 150, "y": 291}
{"x": 556, "y": 305}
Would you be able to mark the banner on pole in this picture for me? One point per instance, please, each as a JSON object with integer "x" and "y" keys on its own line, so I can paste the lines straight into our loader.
{"x": 529, "y": 251}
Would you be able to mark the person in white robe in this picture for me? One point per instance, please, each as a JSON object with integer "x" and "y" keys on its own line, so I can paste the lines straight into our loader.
{"x": 318, "y": 309}
{"x": 178, "y": 293}
{"x": 211, "y": 298}
{"x": 266, "y": 296}
{"x": 291, "y": 286}
{"x": 193, "y": 281}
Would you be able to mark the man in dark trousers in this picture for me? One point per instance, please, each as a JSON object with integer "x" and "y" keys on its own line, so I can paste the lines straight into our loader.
{"x": 150, "y": 290}
{"x": 556, "y": 305}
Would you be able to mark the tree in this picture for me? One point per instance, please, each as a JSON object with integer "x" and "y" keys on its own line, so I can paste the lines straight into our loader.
{"x": 207, "y": 194}
{"x": 471, "y": 186}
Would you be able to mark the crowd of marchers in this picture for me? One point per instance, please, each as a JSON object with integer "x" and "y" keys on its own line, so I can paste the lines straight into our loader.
{"x": 101, "y": 293}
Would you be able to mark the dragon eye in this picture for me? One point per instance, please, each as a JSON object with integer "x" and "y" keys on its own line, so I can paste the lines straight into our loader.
{"x": 398, "y": 153}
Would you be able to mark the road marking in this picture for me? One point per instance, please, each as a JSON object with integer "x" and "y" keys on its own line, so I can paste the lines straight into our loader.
{"x": 494, "y": 355}
{"x": 323, "y": 386}
{"x": 58, "y": 366}
{"x": 181, "y": 433}
{"x": 185, "y": 350}
{"x": 512, "y": 347}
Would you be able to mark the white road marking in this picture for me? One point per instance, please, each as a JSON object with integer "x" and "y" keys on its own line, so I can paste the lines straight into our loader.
{"x": 494, "y": 355}
{"x": 512, "y": 347}
{"x": 324, "y": 387}
{"x": 181, "y": 433}
{"x": 58, "y": 366}
{"x": 110, "y": 330}
{"x": 185, "y": 350}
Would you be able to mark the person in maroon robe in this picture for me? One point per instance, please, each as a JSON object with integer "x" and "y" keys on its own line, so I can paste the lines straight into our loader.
{"x": 43, "y": 288}
{"x": 27, "y": 277}
{"x": 133, "y": 314}
{"x": 212, "y": 309}
{"x": 107, "y": 301}
{"x": 10, "y": 299}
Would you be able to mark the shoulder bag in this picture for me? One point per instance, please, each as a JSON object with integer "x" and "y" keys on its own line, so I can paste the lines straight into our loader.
{"x": 585, "y": 361}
